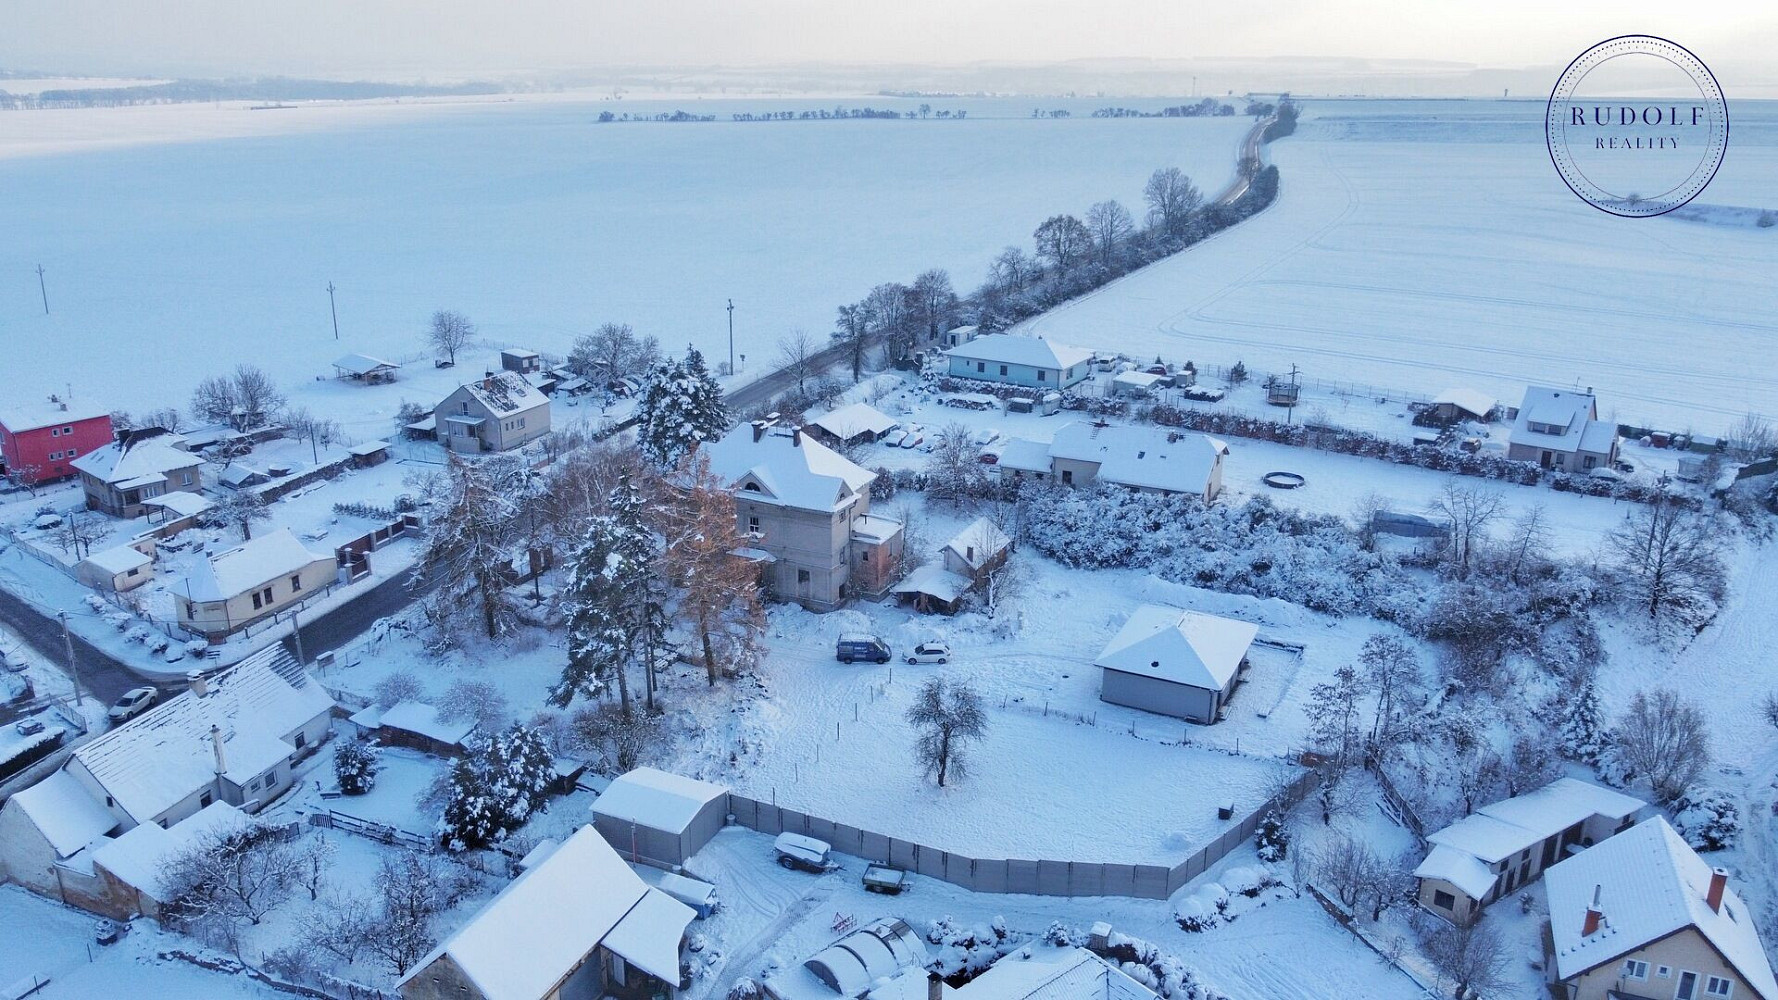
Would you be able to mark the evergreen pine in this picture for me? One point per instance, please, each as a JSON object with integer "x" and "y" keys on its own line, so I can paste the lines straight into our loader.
{"x": 355, "y": 765}
{"x": 594, "y": 600}
{"x": 1272, "y": 839}
{"x": 472, "y": 818}
{"x": 1582, "y": 733}
{"x": 681, "y": 407}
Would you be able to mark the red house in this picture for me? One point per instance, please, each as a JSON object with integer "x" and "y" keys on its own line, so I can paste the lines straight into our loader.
{"x": 40, "y": 442}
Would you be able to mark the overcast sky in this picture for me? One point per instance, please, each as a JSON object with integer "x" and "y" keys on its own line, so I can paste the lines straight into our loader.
{"x": 464, "y": 37}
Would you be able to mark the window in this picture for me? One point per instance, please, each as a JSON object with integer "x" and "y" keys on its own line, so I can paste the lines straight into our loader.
{"x": 185, "y": 479}
{"x": 256, "y": 601}
{"x": 1664, "y": 971}
{"x": 981, "y": 366}
{"x": 67, "y": 430}
{"x": 1002, "y": 371}
{"x": 1717, "y": 986}
{"x": 253, "y": 786}
{"x": 134, "y": 572}
{"x": 753, "y": 524}
{"x": 802, "y": 576}
{"x": 302, "y": 739}
{"x": 864, "y": 556}
{"x": 267, "y": 594}
{"x": 205, "y": 799}
{"x": 1443, "y": 900}
{"x": 1068, "y": 476}
{"x": 1042, "y": 376}
{"x": 55, "y": 432}
{"x": 521, "y": 423}
{"x": 296, "y": 581}
{"x": 54, "y": 455}
{"x": 73, "y": 452}
{"x": 1635, "y": 969}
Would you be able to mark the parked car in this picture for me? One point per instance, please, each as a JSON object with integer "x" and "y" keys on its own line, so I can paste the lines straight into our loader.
{"x": 110, "y": 931}
{"x": 854, "y": 647}
{"x": 133, "y": 703}
{"x": 884, "y": 879}
{"x": 28, "y": 727}
{"x": 892, "y": 439}
{"x": 986, "y": 436}
{"x": 796, "y": 851}
{"x": 930, "y": 652}
{"x": 912, "y": 438}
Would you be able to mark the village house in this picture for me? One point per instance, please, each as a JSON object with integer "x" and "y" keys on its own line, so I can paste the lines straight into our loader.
{"x": 1013, "y": 360}
{"x": 40, "y": 443}
{"x": 854, "y": 423}
{"x": 1642, "y": 917}
{"x": 578, "y": 923}
{"x": 1175, "y": 662}
{"x": 1505, "y": 845}
{"x": 806, "y": 510}
{"x": 129, "y": 869}
{"x": 140, "y": 464}
{"x": 967, "y": 562}
{"x": 497, "y": 412}
{"x": 250, "y": 582}
{"x": 521, "y": 360}
{"x": 1560, "y": 429}
{"x": 116, "y": 569}
{"x": 1147, "y": 459}
{"x": 233, "y": 738}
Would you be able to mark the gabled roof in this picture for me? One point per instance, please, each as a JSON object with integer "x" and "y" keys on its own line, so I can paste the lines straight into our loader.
{"x": 1650, "y": 884}
{"x": 1468, "y": 400}
{"x": 18, "y": 417}
{"x": 363, "y": 364}
{"x": 526, "y": 940}
{"x": 1570, "y": 410}
{"x": 1185, "y": 647}
{"x": 854, "y": 419}
{"x": 420, "y": 718}
{"x": 1010, "y": 349}
{"x": 506, "y": 393}
{"x": 1501, "y": 829}
{"x": 117, "y": 560}
{"x": 137, "y": 458}
{"x": 139, "y": 855}
{"x": 1025, "y": 455}
{"x": 934, "y": 580}
{"x": 249, "y": 565}
{"x": 1147, "y": 457}
{"x": 1459, "y": 868}
{"x": 977, "y": 543}
{"x": 154, "y": 760}
{"x": 789, "y": 467}
{"x": 659, "y": 800}
{"x": 1038, "y": 972}
{"x": 65, "y": 812}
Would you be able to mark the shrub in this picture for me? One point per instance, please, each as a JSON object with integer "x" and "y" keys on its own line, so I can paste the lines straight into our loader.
{"x": 1707, "y": 819}
{"x": 1272, "y": 838}
{"x": 355, "y": 765}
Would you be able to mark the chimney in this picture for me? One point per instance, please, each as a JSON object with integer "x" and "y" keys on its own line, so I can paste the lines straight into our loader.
{"x": 1719, "y": 880}
{"x": 216, "y": 746}
{"x": 197, "y": 683}
{"x": 64, "y": 406}
{"x": 796, "y": 437}
{"x": 759, "y": 430}
{"x": 1595, "y": 916}
{"x": 935, "y": 987}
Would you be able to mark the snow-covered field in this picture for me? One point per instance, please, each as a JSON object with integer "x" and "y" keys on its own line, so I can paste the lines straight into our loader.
{"x": 172, "y": 260}
{"x": 1431, "y": 244}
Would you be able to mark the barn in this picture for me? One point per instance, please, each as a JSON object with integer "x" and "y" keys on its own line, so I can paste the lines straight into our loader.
{"x": 1174, "y": 662}
{"x": 659, "y": 818}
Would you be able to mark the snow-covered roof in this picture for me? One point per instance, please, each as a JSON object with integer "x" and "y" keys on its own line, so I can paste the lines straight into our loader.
{"x": 154, "y": 760}
{"x": 363, "y": 364}
{"x": 977, "y": 543}
{"x": 418, "y": 717}
{"x": 1568, "y": 410}
{"x": 139, "y": 856}
{"x": 1147, "y": 457}
{"x": 1468, "y": 400}
{"x": 1650, "y": 884}
{"x": 1010, "y": 349}
{"x": 65, "y": 812}
{"x": 1185, "y": 647}
{"x": 526, "y": 940}
{"x": 247, "y": 566}
{"x": 121, "y": 559}
{"x": 506, "y": 393}
{"x": 934, "y": 580}
{"x": 648, "y": 936}
{"x": 18, "y": 416}
{"x": 790, "y": 468}
{"x": 180, "y": 502}
{"x": 853, "y": 419}
{"x": 518, "y": 352}
{"x": 875, "y": 529}
{"x": 1460, "y": 869}
{"x": 873, "y": 952}
{"x": 1042, "y": 973}
{"x": 1025, "y": 455}
{"x": 369, "y": 448}
{"x": 656, "y": 799}
{"x": 1501, "y": 829}
{"x": 1141, "y": 380}
{"x": 143, "y": 458}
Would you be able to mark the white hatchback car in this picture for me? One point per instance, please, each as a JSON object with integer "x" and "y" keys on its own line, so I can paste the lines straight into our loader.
{"x": 930, "y": 652}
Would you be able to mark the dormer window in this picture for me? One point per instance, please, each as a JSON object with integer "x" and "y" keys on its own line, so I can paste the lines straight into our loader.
{"x": 750, "y": 486}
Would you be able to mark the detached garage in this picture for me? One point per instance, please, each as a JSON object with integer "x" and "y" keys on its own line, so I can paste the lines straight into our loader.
{"x": 1174, "y": 662}
{"x": 659, "y": 818}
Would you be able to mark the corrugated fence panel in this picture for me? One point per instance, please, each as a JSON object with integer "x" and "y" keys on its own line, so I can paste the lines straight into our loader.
{"x": 1150, "y": 882}
{"x": 1021, "y": 876}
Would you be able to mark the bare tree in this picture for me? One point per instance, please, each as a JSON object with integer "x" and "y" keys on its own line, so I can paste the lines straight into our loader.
{"x": 338, "y": 928}
{"x": 949, "y": 717}
{"x": 303, "y": 425}
{"x": 796, "y": 356}
{"x": 618, "y": 744}
{"x": 954, "y": 472}
{"x": 410, "y": 891}
{"x": 1768, "y": 708}
{"x": 399, "y": 686}
{"x": 1064, "y": 241}
{"x": 1172, "y": 198}
{"x": 852, "y": 327}
{"x": 79, "y": 530}
{"x": 214, "y": 400}
{"x": 609, "y": 352}
{"x": 892, "y": 313}
{"x": 449, "y": 333}
{"x": 1471, "y": 959}
{"x": 1670, "y": 556}
{"x": 257, "y": 399}
{"x": 474, "y": 701}
{"x": 1527, "y": 549}
{"x": 1012, "y": 270}
{"x": 1665, "y": 739}
{"x": 228, "y": 878}
{"x": 241, "y": 508}
{"x": 1532, "y": 762}
{"x": 1470, "y": 511}
{"x": 935, "y": 301}
{"x": 1111, "y": 227}
{"x": 1752, "y": 439}
{"x": 1348, "y": 868}
{"x": 311, "y": 861}
{"x": 1392, "y": 669}
{"x": 1333, "y": 715}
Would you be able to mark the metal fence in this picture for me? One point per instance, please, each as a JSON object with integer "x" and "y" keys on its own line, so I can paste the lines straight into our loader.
{"x": 1012, "y": 875}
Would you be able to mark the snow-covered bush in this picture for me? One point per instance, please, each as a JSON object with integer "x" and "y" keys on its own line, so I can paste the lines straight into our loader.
{"x": 1158, "y": 970}
{"x": 138, "y": 635}
{"x": 1272, "y": 838}
{"x": 1203, "y": 908}
{"x": 965, "y": 952}
{"x": 355, "y": 765}
{"x": 744, "y": 989}
{"x": 1708, "y": 819}
{"x": 1248, "y": 881}
{"x": 197, "y": 647}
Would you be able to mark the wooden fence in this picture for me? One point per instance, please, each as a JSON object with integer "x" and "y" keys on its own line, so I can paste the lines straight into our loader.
{"x": 1010, "y": 875}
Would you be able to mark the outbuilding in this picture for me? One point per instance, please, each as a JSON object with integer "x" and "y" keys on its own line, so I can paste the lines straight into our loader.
{"x": 659, "y": 818}
{"x": 1174, "y": 662}
{"x": 119, "y": 569}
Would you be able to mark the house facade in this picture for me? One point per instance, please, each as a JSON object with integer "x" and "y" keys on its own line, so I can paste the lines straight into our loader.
{"x": 39, "y": 444}
{"x": 498, "y": 412}
{"x": 119, "y": 569}
{"x": 249, "y": 583}
{"x": 1027, "y": 361}
{"x": 806, "y": 510}
{"x": 139, "y": 465}
{"x": 1504, "y": 846}
{"x": 1560, "y": 429}
{"x": 1642, "y": 917}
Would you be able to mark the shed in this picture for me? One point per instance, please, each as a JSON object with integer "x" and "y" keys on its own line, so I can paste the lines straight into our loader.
{"x": 521, "y": 360}
{"x": 364, "y": 368}
{"x": 854, "y": 423}
{"x": 659, "y": 818}
{"x": 933, "y": 588}
{"x": 1136, "y": 383}
{"x": 369, "y": 453}
{"x": 119, "y": 569}
{"x": 1457, "y": 404}
{"x": 414, "y": 724}
{"x": 1174, "y": 662}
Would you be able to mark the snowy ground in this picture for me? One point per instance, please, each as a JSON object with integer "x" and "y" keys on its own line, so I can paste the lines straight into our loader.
{"x": 1431, "y": 244}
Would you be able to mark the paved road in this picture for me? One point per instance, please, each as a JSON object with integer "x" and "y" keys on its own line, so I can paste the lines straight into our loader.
{"x": 766, "y": 387}
{"x": 101, "y": 675}
{"x": 333, "y": 629}
{"x": 1250, "y": 148}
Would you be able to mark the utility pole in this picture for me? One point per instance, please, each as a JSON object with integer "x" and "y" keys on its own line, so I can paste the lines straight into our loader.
{"x": 42, "y": 290}
{"x": 731, "y": 336}
{"x": 1288, "y": 410}
{"x": 73, "y": 667}
{"x": 334, "y": 310}
{"x": 296, "y": 633}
